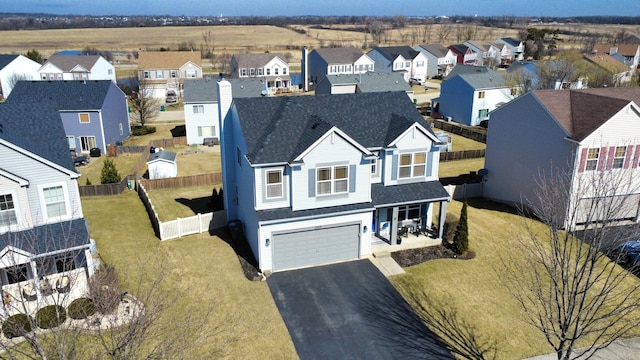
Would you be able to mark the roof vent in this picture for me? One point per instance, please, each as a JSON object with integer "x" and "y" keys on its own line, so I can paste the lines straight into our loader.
{"x": 315, "y": 125}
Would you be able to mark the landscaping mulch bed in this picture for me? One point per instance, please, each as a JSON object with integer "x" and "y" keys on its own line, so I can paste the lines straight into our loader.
{"x": 417, "y": 256}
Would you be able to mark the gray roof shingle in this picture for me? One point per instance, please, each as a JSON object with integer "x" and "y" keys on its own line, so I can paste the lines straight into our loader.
{"x": 385, "y": 196}
{"x": 392, "y": 52}
{"x": 346, "y": 55}
{"x": 372, "y": 81}
{"x": 436, "y": 49}
{"x": 206, "y": 90}
{"x": 278, "y": 129}
{"x": 37, "y": 129}
{"x": 165, "y": 155}
{"x": 479, "y": 77}
{"x": 6, "y": 60}
{"x": 67, "y": 62}
{"x": 68, "y": 95}
{"x": 49, "y": 238}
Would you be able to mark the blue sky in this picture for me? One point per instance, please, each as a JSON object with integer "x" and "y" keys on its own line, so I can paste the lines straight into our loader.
{"x": 327, "y": 7}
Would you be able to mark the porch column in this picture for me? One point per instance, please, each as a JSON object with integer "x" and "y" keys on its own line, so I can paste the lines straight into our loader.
{"x": 36, "y": 280}
{"x": 393, "y": 227}
{"x": 441, "y": 218}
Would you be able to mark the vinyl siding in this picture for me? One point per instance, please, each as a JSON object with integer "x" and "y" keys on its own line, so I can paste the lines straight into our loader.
{"x": 114, "y": 113}
{"x": 208, "y": 118}
{"x": 413, "y": 141}
{"x": 262, "y": 202}
{"x": 20, "y": 199}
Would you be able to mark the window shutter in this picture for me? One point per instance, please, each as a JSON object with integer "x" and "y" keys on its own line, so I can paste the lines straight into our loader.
{"x": 627, "y": 156}
{"x": 394, "y": 167}
{"x": 583, "y": 160}
{"x": 602, "y": 159}
{"x": 312, "y": 182}
{"x": 636, "y": 158}
{"x": 610, "y": 156}
{"x": 352, "y": 178}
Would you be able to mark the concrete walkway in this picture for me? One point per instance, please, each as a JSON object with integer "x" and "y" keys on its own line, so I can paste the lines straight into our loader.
{"x": 626, "y": 349}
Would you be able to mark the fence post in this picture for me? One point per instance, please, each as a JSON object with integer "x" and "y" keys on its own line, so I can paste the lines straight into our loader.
{"x": 179, "y": 227}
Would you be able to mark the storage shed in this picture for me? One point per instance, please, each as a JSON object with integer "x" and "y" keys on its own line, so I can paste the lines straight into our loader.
{"x": 162, "y": 164}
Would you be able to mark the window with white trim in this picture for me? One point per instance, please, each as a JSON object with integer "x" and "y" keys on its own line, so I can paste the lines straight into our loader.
{"x": 174, "y": 74}
{"x": 243, "y": 72}
{"x": 84, "y": 118}
{"x": 284, "y": 71}
{"x": 191, "y": 74}
{"x": 198, "y": 109}
{"x": 159, "y": 74}
{"x": 374, "y": 167}
{"x": 412, "y": 165}
{"x": 268, "y": 71}
{"x": 483, "y": 113}
{"x": 407, "y": 64}
{"x": 275, "y": 71}
{"x": 259, "y": 71}
{"x": 206, "y": 131}
{"x": 618, "y": 157}
{"x": 592, "y": 159}
{"x": 54, "y": 201}
{"x": 146, "y": 75}
{"x": 71, "y": 140}
{"x": 274, "y": 184}
{"x": 419, "y": 63}
{"x": 8, "y": 216}
{"x": 332, "y": 180}
{"x": 480, "y": 94}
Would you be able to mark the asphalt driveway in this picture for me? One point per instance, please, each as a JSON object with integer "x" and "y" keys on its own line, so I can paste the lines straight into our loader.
{"x": 350, "y": 311}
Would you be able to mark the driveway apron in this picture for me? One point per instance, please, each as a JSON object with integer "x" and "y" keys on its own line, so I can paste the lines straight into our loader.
{"x": 350, "y": 311}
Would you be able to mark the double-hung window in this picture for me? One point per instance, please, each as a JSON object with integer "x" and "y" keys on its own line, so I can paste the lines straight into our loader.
{"x": 198, "y": 109}
{"x": 274, "y": 184}
{"x": 54, "y": 201}
{"x": 412, "y": 165}
{"x": 483, "y": 113}
{"x": 480, "y": 94}
{"x": 8, "y": 215}
{"x": 332, "y": 180}
{"x": 592, "y": 159}
{"x": 618, "y": 157}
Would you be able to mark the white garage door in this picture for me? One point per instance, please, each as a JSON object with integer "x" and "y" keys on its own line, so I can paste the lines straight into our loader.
{"x": 315, "y": 246}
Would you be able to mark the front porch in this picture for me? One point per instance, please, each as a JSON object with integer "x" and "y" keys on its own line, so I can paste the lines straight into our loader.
{"x": 408, "y": 241}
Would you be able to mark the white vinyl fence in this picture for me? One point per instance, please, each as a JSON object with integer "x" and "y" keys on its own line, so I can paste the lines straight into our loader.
{"x": 192, "y": 225}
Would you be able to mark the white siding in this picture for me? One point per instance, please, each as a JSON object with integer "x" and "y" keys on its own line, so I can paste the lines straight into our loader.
{"x": 20, "y": 200}
{"x": 492, "y": 98}
{"x": 21, "y": 68}
{"x": 413, "y": 141}
{"x": 325, "y": 153}
{"x": 262, "y": 202}
{"x": 207, "y": 118}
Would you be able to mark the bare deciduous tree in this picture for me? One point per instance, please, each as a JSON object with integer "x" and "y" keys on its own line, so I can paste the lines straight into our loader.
{"x": 144, "y": 106}
{"x": 444, "y": 30}
{"x": 568, "y": 287}
{"x": 376, "y": 29}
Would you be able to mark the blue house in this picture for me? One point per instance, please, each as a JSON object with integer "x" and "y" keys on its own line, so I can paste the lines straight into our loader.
{"x": 94, "y": 113}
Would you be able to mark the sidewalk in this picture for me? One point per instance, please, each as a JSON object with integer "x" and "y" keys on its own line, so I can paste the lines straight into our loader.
{"x": 625, "y": 349}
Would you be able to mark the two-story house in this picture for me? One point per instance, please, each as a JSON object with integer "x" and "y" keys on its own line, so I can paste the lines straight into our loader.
{"x": 14, "y": 68}
{"x": 201, "y": 106}
{"x": 333, "y": 61}
{"x": 440, "y": 59}
{"x": 469, "y": 93}
{"x": 94, "y": 113}
{"x": 579, "y": 136}
{"x": 488, "y": 54}
{"x": 512, "y": 51}
{"x": 529, "y": 75}
{"x": 164, "y": 71}
{"x": 314, "y": 183}
{"x": 628, "y": 53}
{"x": 403, "y": 59}
{"x": 45, "y": 255}
{"x": 272, "y": 68}
{"x": 465, "y": 55}
{"x": 77, "y": 67}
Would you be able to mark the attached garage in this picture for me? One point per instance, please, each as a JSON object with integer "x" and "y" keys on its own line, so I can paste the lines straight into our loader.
{"x": 310, "y": 247}
{"x": 614, "y": 208}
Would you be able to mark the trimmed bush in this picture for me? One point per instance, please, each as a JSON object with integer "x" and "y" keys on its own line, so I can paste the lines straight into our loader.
{"x": 143, "y": 130}
{"x": 81, "y": 308}
{"x": 461, "y": 238}
{"x": 50, "y": 316}
{"x": 16, "y": 325}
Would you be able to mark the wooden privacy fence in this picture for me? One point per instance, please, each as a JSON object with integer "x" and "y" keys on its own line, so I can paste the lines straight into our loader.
{"x": 170, "y": 142}
{"x": 461, "y": 130}
{"x": 182, "y": 181}
{"x": 461, "y": 155}
{"x": 182, "y": 226}
{"x": 106, "y": 189}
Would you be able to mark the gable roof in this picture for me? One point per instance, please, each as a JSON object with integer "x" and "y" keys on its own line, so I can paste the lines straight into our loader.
{"x": 478, "y": 77}
{"x": 607, "y": 62}
{"x": 623, "y": 49}
{"x": 6, "y": 60}
{"x": 163, "y": 155}
{"x": 392, "y": 52}
{"x": 36, "y": 127}
{"x": 68, "y": 62}
{"x": 511, "y": 41}
{"x": 167, "y": 59}
{"x": 278, "y": 129}
{"x": 206, "y": 90}
{"x": 256, "y": 60}
{"x": 68, "y": 95}
{"x": 480, "y": 45}
{"x": 438, "y": 50}
{"x": 371, "y": 81}
{"x": 581, "y": 112}
{"x": 459, "y": 48}
{"x": 345, "y": 55}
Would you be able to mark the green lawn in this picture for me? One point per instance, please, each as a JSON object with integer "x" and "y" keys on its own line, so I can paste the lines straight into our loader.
{"x": 458, "y": 167}
{"x": 180, "y": 203}
{"x": 92, "y": 171}
{"x": 204, "y": 264}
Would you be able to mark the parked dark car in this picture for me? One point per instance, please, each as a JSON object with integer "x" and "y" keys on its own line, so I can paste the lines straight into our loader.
{"x": 628, "y": 253}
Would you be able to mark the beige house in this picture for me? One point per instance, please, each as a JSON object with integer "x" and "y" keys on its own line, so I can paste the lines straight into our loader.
{"x": 166, "y": 70}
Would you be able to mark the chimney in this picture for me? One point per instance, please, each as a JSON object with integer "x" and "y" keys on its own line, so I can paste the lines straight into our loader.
{"x": 224, "y": 100}
{"x": 305, "y": 69}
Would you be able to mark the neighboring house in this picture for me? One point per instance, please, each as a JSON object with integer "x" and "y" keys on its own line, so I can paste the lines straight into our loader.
{"x": 14, "y": 68}
{"x": 527, "y": 75}
{"x": 45, "y": 255}
{"x": 162, "y": 164}
{"x": 514, "y": 50}
{"x": 440, "y": 59}
{"x": 628, "y": 53}
{"x": 469, "y": 93}
{"x": 162, "y": 71}
{"x": 403, "y": 59}
{"x": 488, "y": 54}
{"x": 94, "y": 113}
{"x": 201, "y": 110}
{"x": 77, "y": 67}
{"x": 577, "y": 132}
{"x": 465, "y": 55}
{"x": 363, "y": 83}
{"x": 621, "y": 71}
{"x": 315, "y": 183}
{"x": 334, "y": 61}
{"x": 272, "y": 68}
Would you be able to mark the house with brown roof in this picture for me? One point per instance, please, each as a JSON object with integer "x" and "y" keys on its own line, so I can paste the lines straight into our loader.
{"x": 273, "y": 69}
{"x": 588, "y": 134}
{"x": 162, "y": 71}
{"x": 77, "y": 67}
{"x": 622, "y": 73}
{"x": 628, "y": 53}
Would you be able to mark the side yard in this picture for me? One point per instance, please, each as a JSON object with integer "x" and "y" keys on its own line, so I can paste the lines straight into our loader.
{"x": 205, "y": 269}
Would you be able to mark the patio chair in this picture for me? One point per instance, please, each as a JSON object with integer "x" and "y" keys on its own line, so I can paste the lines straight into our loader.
{"x": 63, "y": 284}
